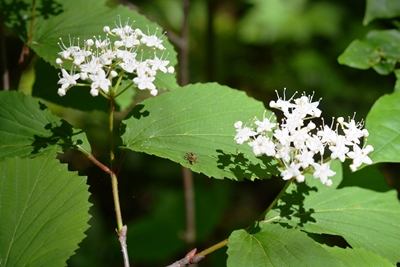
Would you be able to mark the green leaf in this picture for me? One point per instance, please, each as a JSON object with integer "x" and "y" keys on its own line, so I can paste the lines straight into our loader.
{"x": 198, "y": 119}
{"x": 383, "y": 124}
{"x": 358, "y": 257}
{"x": 364, "y": 218}
{"x": 44, "y": 211}
{"x": 378, "y": 50}
{"x": 381, "y": 9}
{"x": 28, "y": 128}
{"x": 274, "y": 245}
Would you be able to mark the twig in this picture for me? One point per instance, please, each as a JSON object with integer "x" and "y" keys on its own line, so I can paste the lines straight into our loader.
{"x": 190, "y": 258}
{"x": 122, "y": 240}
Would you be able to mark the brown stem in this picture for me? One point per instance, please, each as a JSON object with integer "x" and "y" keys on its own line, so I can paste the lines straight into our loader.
{"x": 190, "y": 233}
{"x": 190, "y": 258}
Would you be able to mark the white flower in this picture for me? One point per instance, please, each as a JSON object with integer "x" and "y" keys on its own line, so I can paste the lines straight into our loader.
{"x": 306, "y": 107}
{"x": 158, "y": 64}
{"x": 67, "y": 80}
{"x": 353, "y": 133}
{"x": 264, "y": 125}
{"x": 100, "y": 81}
{"x": 171, "y": 69}
{"x": 282, "y": 135}
{"x": 93, "y": 66}
{"x": 100, "y": 57}
{"x": 145, "y": 82}
{"x": 327, "y": 135}
{"x": 359, "y": 156}
{"x": 323, "y": 171}
{"x": 292, "y": 171}
{"x": 94, "y": 91}
{"x": 295, "y": 143}
{"x": 243, "y": 134}
{"x": 339, "y": 149}
{"x": 263, "y": 145}
{"x": 80, "y": 56}
{"x": 129, "y": 62}
{"x": 152, "y": 41}
{"x": 61, "y": 92}
{"x": 315, "y": 145}
{"x": 305, "y": 158}
{"x": 284, "y": 151}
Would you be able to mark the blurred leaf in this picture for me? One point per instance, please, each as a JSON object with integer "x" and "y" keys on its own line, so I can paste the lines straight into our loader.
{"x": 44, "y": 211}
{"x": 383, "y": 124}
{"x": 358, "y": 257}
{"x": 378, "y": 50}
{"x": 28, "y": 128}
{"x": 273, "y": 245}
{"x": 198, "y": 119}
{"x": 381, "y": 9}
{"x": 397, "y": 85}
{"x": 274, "y": 20}
{"x": 364, "y": 218}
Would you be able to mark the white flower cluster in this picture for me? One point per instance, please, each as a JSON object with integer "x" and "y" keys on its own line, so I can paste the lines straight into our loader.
{"x": 300, "y": 147}
{"x": 98, "y": 61}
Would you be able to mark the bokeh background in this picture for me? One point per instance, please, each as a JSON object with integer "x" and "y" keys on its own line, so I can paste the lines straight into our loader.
{"x": 256, "y": 46}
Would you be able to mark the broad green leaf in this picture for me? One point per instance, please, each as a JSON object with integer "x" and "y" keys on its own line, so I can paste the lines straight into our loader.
{"x": 378, "y": 50}
{"x": 383, "y": 124}
{"x": 364, "y": 218}
{"x": 358, "y": 257}
{"x": 28, "y": 128}
{"x": 198, "y": 119}
{"x": 273, "y": 245}
{"x": 381, "y": 9}
{"x": 44, "y": 211}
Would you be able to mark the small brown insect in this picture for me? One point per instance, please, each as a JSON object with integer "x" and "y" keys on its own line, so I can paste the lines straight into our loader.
{"x": 191, "y": 157}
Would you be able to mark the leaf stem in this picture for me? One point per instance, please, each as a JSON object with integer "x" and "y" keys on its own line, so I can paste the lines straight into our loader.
{"x": 213, "y": 248}
{"x": 121, "y": 229}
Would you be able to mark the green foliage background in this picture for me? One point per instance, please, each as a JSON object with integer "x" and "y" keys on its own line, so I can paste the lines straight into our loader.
{"x": 254, "y": 46}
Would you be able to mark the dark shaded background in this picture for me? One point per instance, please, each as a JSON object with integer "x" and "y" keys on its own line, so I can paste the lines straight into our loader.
{"x": 239, "y": 43}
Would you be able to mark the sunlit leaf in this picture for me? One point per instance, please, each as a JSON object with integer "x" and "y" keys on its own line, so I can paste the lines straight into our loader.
{"x": 364, "y": 218}
{"x": 198, "y": 119}
{"x": 383, "y": 124}
{"x": 358, "y": 257}
{"x": 273, "y": 245}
